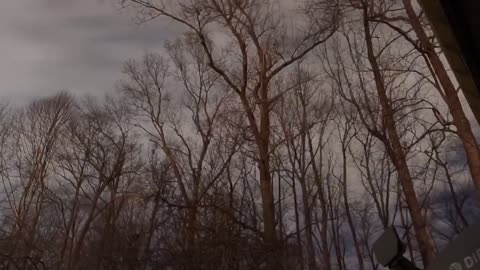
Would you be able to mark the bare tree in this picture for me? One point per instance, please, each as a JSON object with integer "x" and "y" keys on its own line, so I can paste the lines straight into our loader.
{"x": 198, "y": 162}
{"x": 346, "y": 133}
{"x": 35, "y": 143}
{"x": 300, "y": 115}
{"x": 265, "y": 49}
{"x": 399, "y": 20}
{"x": 381, "y": 115}
{"x": 232, "y": 148}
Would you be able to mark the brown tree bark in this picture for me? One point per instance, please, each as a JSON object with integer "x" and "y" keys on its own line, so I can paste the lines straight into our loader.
{"x": 322, "y": 197}
{"x": 345, "y": 139}
{"x": 253, "y": 28}
{"x": 396, "y": 152}
{"x": 449, "y": 94}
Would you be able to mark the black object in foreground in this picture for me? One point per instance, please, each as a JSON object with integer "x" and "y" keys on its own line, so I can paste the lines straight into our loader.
{"x": 389, "y": 251}
{"x": 455, "y": 24}
{"x": 462, "y": 253}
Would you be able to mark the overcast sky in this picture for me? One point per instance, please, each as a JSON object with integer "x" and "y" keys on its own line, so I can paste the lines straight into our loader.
{"x": 76, "y": 45}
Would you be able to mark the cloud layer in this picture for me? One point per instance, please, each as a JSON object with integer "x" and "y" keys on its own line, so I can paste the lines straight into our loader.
{"x": 52, "y": 45}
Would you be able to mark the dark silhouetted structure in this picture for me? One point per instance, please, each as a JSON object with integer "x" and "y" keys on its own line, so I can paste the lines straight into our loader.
{"x": 456, "y": 24}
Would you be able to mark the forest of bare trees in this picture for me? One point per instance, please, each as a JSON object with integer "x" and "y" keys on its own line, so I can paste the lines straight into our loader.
{"x": 268, "y": 134}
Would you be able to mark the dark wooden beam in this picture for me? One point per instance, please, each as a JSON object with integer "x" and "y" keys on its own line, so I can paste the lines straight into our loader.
{"x": 455, "y": 24}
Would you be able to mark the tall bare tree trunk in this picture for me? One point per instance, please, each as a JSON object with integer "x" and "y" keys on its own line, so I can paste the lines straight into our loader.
{"x": 307, "y": 215}
{"x": 266, "y": 188}
{"x": 317, "y": 172}
{"x": 334, "y": 216}
{"x": 356, "y": 243}
{"x": 303, "y": 167}
{"x": 297, "y": 220}
{"x": 396, "y": 152}
{"x": 450, "y": 95}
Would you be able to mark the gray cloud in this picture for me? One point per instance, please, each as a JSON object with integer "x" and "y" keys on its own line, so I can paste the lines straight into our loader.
{"x": 79, "y": 45}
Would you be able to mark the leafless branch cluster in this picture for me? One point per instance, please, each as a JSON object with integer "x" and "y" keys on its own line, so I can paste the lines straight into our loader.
{"x": 269, "y": 135}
